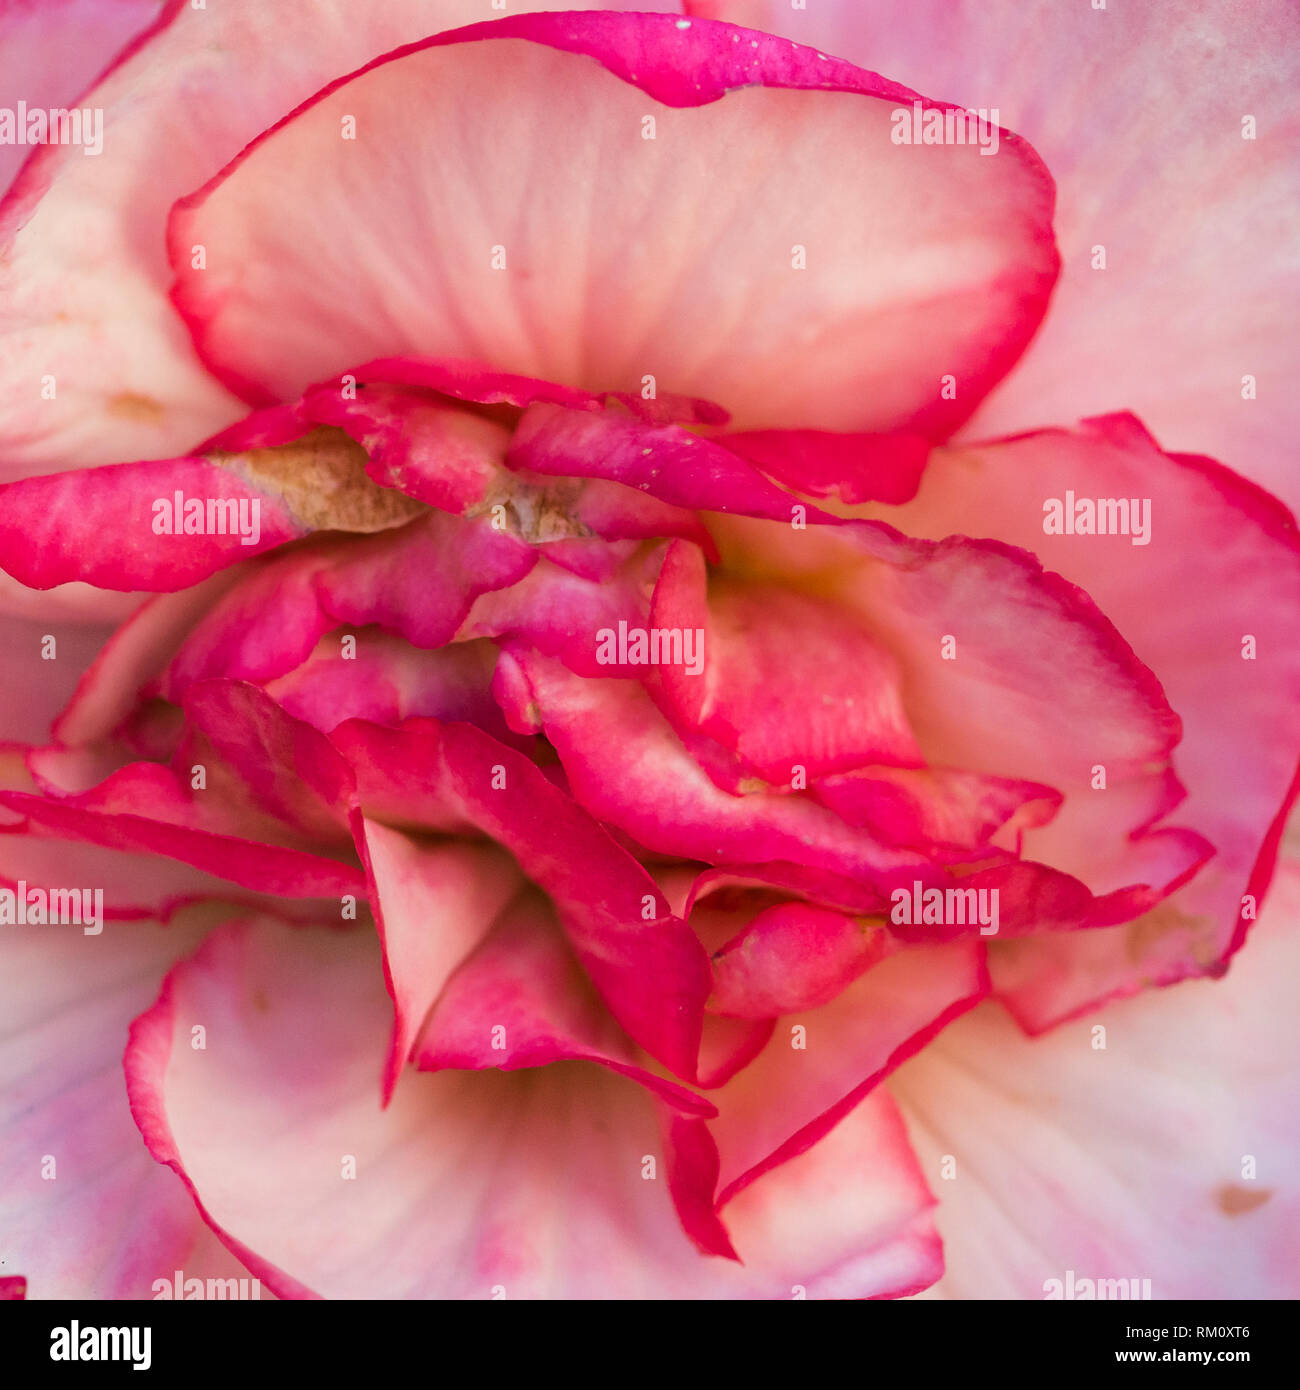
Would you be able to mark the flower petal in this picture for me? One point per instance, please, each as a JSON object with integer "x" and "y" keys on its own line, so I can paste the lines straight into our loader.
{"x": 45, "y": 656}
{"x": 916, "y": 267}
{"x": 1192, "y": 213}
{"x": 646, "y": 963}
{"x": 627, "y": 767}
{"x": 820, "y": 1063}
{"x": 793, "y": 956}
{"x": 521, "y": 1000}
{"x": 49, "y": 54}
{"x": 83, "y": 274}
{"x": 167, "y": 524}
{"x": 269, "y": 811}
{"x": 84, "y": 1210}
{"x": 1228, "y": 643}
{"x": 1157, "y": 1141}
{"x": 782, "y": 680}
{"x": 471, "y": 1185}
{"x": 434, "y": 901}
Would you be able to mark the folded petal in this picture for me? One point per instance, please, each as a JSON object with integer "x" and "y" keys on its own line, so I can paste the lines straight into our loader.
{"x": 433, "y": 902}
{"x": 626, "y": 765}
{"x": 851, "y": 467}
{"x": 568, "y": 613}
{"x": 664, "y": 460}
{"x": 794, "y": 956}
{"x": 422, "y": 581}
{"x": 252, "y": 795}
{"x": 430, "y": 448}
{"x": 262, "y": 868}
{"x": 385, "y": 680}
{"x": 930, "y": 807}
{"x": 1009, "y": 671}
{"x": 141, "y": 883}
{"x": 1226, "y": 644}
{"x": 645, "y": 962}
{"x": 782, "y": 680}
{"x": 167, "y": 524}
{"x": 521, "y": 1000}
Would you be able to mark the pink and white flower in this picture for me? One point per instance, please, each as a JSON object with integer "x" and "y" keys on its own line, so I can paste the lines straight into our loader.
{"x": 529, "y": 592}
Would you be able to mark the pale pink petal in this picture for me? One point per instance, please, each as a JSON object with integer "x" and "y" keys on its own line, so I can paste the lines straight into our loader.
{"x": 1169, "y": 1154}
{"x": 473, "y": 1185}
{"x": 83, "y": 274}
{"x": 110, "y": 688}
{"x": 44, "y": 658}
{"x": 1196, "y": 221}
{"x": 626, "y": 765}
{"x": 823, "y": 1060}
{"x": 916, "y": 268}
{"x": 50, "y": 52}
{"x": 77, "y": 602}
{"x": 85, "y": 1211}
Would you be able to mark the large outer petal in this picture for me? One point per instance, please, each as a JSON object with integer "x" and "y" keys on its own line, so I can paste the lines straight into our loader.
{"x": 675, "y": 257}
{"x": 83, "y": 275}
{"x": 104, "y": 1222}
{"x": 1126, "y": 1162}
{"x": 472, "y": 1185}
{"x": 1137, "y": 110}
